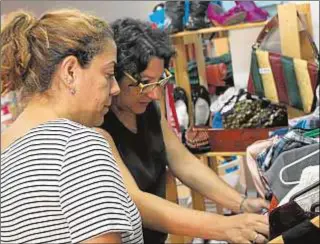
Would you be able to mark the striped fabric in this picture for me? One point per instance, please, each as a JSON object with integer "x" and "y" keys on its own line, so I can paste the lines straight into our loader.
{"x": 60, "y": 184}
{"x": 283, "y": 79}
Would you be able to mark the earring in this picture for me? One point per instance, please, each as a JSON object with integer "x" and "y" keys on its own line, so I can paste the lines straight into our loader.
{"x": 73, "y": 91}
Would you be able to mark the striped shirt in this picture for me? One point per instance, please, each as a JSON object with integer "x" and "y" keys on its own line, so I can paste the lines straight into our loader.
{"x": 60, "y": 184}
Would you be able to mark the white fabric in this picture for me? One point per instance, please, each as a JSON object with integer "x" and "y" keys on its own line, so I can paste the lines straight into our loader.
{"x": 202, "y": 111}
{"x": 182, "y": 114}
{"x": 309, "y": 176}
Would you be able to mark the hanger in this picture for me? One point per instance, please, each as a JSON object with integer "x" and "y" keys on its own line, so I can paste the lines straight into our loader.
{"x": 314, "y": 206}
{"x": 305, "y": 190}
{"x": 292, "y": 164}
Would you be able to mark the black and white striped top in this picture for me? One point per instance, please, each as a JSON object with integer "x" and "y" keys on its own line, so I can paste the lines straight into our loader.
{"x": 60, "y": 184}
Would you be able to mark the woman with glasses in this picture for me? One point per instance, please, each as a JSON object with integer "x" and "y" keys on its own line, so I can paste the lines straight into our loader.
{"x": 144, "y": 146}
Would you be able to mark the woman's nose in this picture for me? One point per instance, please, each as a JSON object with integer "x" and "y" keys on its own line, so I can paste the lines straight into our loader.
{"x": 155, "y": 94}
{"x": 115, "y": 89}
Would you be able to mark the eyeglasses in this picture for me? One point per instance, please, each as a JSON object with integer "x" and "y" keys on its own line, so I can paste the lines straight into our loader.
{"x": 146, "y": 88}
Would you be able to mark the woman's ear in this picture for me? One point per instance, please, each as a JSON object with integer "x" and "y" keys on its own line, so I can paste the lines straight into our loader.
{"x": 68, "y": 69}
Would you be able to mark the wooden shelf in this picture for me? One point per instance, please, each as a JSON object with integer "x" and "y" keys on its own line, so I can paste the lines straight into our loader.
{"x": 219, "y": 28}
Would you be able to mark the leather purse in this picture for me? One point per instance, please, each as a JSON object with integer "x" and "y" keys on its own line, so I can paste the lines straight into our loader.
{"x": 283, "y": 79}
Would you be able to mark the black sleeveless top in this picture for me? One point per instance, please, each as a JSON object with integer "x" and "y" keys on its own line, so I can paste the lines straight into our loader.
{"x": 144, "y": 154}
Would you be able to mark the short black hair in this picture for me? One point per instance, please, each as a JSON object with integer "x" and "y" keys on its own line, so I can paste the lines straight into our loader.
{"x": 137, "y": 42}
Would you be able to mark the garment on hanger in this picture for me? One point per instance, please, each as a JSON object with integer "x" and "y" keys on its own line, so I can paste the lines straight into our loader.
{"x": 291, "y": 174}
{"x": 293, "y": 139}
{"x": 309, "y": 176}
{"x": 251, "y": 155}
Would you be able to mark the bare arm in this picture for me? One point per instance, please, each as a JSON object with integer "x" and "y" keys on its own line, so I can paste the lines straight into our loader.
{"x": 106, "y": 238}
{"x": 193, "y": 173}
{"x": 162, "y": 215}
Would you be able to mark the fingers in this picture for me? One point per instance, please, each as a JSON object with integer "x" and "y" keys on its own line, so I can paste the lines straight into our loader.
{"x": 264, "y": 203}
{"x": 260, "y": 239}
{"x": 262, "y": 228}
{"x": 262, "y": 219}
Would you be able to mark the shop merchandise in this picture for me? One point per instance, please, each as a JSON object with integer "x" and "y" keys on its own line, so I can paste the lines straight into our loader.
{"x": 197, "y": 15}
{"x": 174, "y": 12}
{"x": 309, "y": 176}
{"x": 252, "y": 112}
{"x": 219, "y": 17}
{"x": 288, "y": 216}
{"x": 253, "y": 13}
{"x": 201, "y": 101}
{"x": 181, "y": 107}
{"x": 294, "y": 139}
{"x": 280, "y": 78}
{"x": 171, "y": 112}
{"x": 281, "y": 180}
{"x": 251, "y": 160}
{"x": 197, "y": 140}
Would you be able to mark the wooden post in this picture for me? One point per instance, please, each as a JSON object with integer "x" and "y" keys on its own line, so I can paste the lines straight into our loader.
{"x": 172, "y": 196}
{"x": 200, "y": 59}
{"x": 181, "y": 73}
{"x": 289, "y": 30}
{"x": 221, "y": 45}
{"x": 213, "y": 163}
{"x": 294, "y": 42}
{"x": 197, "y": 198}
{"x": 306, "y": 48}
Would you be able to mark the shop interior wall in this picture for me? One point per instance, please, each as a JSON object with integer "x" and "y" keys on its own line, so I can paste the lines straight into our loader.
{"x": 108, "y": 10}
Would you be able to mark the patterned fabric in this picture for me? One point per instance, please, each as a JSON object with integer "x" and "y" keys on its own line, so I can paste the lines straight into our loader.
{"x": 197, "y": 141}
{"x": 251, "y": 113}
{"x": 293, "y": 139}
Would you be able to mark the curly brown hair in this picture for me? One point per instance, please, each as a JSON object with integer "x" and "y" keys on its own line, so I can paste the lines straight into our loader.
{"x": 137, "y": 42}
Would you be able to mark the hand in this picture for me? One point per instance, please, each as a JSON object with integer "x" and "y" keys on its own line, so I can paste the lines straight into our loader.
{"x": 247, "y": 228}
{"x": 254, "y": 205}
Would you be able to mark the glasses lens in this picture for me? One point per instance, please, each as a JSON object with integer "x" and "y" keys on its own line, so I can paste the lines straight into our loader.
{"x": 150, "y": 88}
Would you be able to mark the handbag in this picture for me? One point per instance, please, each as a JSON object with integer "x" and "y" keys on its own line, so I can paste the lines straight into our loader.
{"x": 280, "y": 78}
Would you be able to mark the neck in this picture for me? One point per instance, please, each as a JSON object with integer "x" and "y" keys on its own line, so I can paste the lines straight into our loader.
{"x": 39, "y": 110}
{"x": 126, "y": 117}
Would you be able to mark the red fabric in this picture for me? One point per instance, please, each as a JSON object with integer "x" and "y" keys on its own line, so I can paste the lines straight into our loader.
{"x": 279, "y": 77}
{"x": 314, "y": 73}
{"x": 172, "y": 117}
{"x": 274, "y": 203}
{"x": 250, "y": 85}
{"x": 216, "y": 74}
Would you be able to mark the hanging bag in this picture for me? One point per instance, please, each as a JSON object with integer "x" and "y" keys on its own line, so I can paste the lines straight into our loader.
{"x": 283, "y": 79}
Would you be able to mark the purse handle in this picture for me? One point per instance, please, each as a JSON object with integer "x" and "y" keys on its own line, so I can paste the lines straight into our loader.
{"x": 274, "y": 23}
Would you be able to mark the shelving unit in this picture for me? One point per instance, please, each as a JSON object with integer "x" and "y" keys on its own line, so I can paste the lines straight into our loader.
{"x": 195, "y": 37}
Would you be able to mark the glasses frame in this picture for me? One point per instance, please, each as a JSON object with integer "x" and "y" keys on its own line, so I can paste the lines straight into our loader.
{"x": 160, "y": 83}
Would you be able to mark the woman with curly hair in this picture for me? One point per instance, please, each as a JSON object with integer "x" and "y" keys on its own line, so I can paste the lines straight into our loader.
{"x": 144, "y": 146}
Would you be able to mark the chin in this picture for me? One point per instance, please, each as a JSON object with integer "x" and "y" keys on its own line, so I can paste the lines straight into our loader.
{"x": 140, "y": 109}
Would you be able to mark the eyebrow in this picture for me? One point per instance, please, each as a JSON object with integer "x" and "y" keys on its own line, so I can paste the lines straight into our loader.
{"x": 109, "y": 63}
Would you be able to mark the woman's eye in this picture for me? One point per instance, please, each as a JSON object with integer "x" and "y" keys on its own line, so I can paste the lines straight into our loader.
{"x": 110, "y": 77}
{"x": 144, "y": 82}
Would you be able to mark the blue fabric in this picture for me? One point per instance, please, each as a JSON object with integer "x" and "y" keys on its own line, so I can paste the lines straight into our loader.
{"x": 279, "y": 132}
{"x": 217, "y": 121}
{"x": 186, "y": 12}
{"x": 293, "y": 139}
{"x": 158, "y": 17}
{"x": 308, "y": 124}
